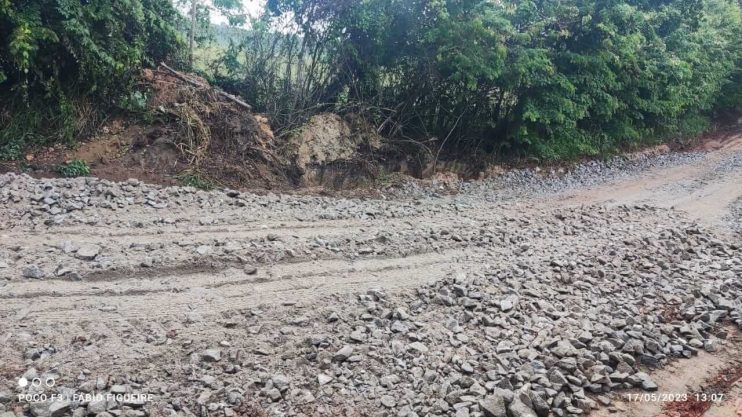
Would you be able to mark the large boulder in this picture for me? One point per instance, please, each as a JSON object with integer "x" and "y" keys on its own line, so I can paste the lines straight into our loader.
{"x": 330, "y": 149}
{"x": 324, "y": 139}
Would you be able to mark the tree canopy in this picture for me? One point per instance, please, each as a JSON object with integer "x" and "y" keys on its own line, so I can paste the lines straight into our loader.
{"x": 60, "y": 58}
{"x": 554, "y": 79}
{"x": 543, "y": 78}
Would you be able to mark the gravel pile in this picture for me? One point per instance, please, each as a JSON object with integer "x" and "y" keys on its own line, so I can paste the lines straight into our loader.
{"x": 178, "y": 218}
{"x": 592, "y": 173}
{"x": 90, "y": 201}
{"x": 534, "y": 340}
{"x": 734, "y": 218}
{"x": 516, "y": 183}
{"x": 540, "y": 333}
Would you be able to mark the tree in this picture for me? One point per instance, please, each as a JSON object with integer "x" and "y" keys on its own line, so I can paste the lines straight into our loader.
{"x": 201, "y": 10}
{"x": 56, "y": 55}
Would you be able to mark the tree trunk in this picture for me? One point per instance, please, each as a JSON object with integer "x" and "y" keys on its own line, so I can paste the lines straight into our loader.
{"x": 192, "y": 34}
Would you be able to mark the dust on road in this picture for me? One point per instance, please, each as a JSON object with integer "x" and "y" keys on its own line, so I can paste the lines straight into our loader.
{"x": 426, "y": 305}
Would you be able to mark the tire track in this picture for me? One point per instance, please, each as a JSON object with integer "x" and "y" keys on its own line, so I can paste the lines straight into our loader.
{"x": 208, "y": 293}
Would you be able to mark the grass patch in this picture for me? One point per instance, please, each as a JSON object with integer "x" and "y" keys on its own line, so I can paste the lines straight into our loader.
{"x": 195, "y": 180}
{"x": 74, "y": 168}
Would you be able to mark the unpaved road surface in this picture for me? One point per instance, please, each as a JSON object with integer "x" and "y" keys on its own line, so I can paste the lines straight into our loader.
{"x": 526, "y": 295}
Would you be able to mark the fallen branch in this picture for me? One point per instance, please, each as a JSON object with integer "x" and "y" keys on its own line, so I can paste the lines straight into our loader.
{"x": 188, "y": 80}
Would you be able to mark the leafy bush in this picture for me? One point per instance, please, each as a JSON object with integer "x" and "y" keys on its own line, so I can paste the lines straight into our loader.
{"x": 551, "y": 79}
{"x": 515, "y": 78}
{"x": 134, "y": 102}
{"x": 66, "y": 61}
{"x": 11, "y": 150}
{"x": 74, "y": 168}
{"x": 196, "y": 180}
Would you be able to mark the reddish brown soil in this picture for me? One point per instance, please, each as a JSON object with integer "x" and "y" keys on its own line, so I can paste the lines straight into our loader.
{"x": 699, "y": 402}
{"x": 114, "y": 156}
{"x": 190, "y": 130}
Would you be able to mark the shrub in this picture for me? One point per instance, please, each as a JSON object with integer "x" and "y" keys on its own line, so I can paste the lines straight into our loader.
{"x": 548, "y": 79}
{"x": 195, "y": 180}
{"x": 57, "y": 56}
{"x": 74, "y": 168}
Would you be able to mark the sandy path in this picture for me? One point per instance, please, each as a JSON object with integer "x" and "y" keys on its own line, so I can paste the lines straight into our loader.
{"x": 704, "y": 189}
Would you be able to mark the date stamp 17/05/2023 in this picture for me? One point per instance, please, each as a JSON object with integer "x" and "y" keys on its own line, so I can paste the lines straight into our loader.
{"x": 676, "y": 397}
{"x": 731, "y": 404}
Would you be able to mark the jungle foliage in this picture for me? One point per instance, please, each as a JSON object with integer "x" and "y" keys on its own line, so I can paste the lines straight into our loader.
{"x": 543, "y": 78}
{"x": 552, "y": 79}
{"x": 63, "y": 63}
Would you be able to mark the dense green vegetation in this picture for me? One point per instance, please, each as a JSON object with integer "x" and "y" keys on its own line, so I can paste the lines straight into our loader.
{"x": 63, "y": 63}
{"x": 74, "y": 168}
{"x": 511, "y": 78}
{"x": 544, "y": 78}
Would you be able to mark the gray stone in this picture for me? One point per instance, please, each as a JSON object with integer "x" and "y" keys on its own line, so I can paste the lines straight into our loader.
{"x": 134, "y": 402}
{"x": 417, "y": 347}
{"x": 274, "y": 394}
{"x": 119, "y": 389}
{"x": 343, "y": 354}
{"x": 540, "y": 406}
{"x": 97, "y": 406}
{"x": 504, "y": 346}
{"x": 603, "y": 400}
{"x": 33, "y": 271}
{"x": 643, "y": 380}
{"x": 509, "y": 302}
{"x": 88, "y": 252}
{"x": 519, "y": 409}
{"x": 388, "y": 401}
{"x": 585, "y": 337}
{"x": 280, "y": 381}
{"x": 573, "y": 410}
{"x": 389, "y": 381}
{"x": 557, "y": 378}
{"x": 696, "y": 343}
{"x": 211, "y": 355}
{"x": 398, "y": 327}
{"x": 59, "y": 408}
{"x": 68, "y": 247}
{"x": 649, "y": 385}
{"x": 496, "y": 404}
{"x": 5, "y": 397}
{"x": 462, "y": 412}
{"x": 302, "y": 396}
{"x": 324, "y": 379}
{"x": 568, "y": 364}
{"x": 40, "y": 408}
{"x": 564, "y": 349}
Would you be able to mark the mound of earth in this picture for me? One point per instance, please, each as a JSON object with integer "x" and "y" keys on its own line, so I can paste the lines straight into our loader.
{"x": 182, "y": 130}
{"x": 334, "y": 151}
{"x": 203, "y": 133}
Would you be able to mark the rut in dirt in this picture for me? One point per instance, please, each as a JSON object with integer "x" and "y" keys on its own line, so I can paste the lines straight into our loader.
{"x": 524, "y": 295}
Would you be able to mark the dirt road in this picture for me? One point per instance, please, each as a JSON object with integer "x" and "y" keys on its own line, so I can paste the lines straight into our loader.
{"x": 708, "y": 189}
{"x": 418, "y": 305}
